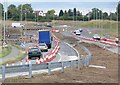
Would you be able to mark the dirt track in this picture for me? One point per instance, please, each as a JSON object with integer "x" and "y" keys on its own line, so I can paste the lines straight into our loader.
{"x": 86, "y": 74}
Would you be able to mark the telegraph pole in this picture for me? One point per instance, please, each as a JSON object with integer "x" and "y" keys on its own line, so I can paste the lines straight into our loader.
{"x": 117, "y": 18}
{"x": 21, "y": 13}
{"x": 4, "y": 22}
{"x": 53, "y": 19}
{"x": 102, "y": 17}
{"x": 73, "y": 17}
{"x": 99, "y": 19}
{"x": 110, "y": 21}
{"x": 94, "y": 19}
{"x": 21, "y": 23}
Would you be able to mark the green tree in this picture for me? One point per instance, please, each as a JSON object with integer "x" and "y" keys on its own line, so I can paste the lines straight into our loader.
{"x": 10, "y": 9}
{"x": 65, "y": 15}
{"x": 27, "y": 11}
{"x": 74, "y": 11}
{"x": 1, "y": 10}
{"x": 13, "y": 12}
{"x": 98, "y": 14}
{"x": 61, "y": 13}
{"x": 112, "y": 16}
{"x": 70, "y": 13}
{"x": 118, "y": 11}
{"x": 105, "y": 15}
{"x": 50, "y": 14}
{"x": 78, "y": 13}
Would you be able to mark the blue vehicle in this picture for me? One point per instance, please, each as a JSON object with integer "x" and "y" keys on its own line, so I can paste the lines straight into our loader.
{"x": 45, "y": 37}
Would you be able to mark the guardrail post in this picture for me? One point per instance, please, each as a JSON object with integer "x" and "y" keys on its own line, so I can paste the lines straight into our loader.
{"x": 71, "y": 65}
{"x": 78, "y": 64}
{"x": 3, "y": 73}
{"x": 62, "y": 67}
{"x": 87, "y": 60}
{"x": 49, "y": 69}
{"x": 86, "y": 64}
{"x": 30, "y": 69}
{"x": 84, "y": 61}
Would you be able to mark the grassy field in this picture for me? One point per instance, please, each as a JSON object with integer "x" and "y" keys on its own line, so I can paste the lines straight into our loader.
{"x": 105, "y": 27}
{"x": 108, "y": 27}
{"x": 6, "y": 51}
{"x": 89, "y": 24}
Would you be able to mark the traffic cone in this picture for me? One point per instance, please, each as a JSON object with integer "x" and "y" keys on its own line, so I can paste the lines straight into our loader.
{"x": 21, "y": 62}
{"x": 54, "y": 55}
{"x": 26, "y": 61}
{"x": 37, "y": 60}
{"x": 7, "y": 63}
{"x": 44, "y": 60}
{"x": 41, "y": 60}
{"x": 13, "y": 63}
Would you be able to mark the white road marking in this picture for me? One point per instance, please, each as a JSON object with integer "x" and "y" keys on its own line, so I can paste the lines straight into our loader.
{"x": 73, "y": 58}
{"x": 60, "y": 57}
{"x": 79, "y": 81}
{"x": 95, "y": 66}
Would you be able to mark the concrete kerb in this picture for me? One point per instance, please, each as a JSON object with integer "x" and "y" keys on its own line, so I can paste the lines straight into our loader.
{"x": 87, "y": 59}
{"x": 79, "y": 59}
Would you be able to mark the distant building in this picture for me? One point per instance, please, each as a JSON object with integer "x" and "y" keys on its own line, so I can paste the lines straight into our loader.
{"x": 40, "y": 13}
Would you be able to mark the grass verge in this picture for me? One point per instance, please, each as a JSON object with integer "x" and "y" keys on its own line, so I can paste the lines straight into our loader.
{"x": 17, "y": 58}
{"x": 5, "y": 51}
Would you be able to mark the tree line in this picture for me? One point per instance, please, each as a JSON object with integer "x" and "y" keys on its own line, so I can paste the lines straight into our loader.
{"x": 26, "y": 12}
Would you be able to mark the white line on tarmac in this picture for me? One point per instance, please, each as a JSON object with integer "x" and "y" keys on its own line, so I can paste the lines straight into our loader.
{"x": 95, "y": 66}
{"x": 60, "y": 57}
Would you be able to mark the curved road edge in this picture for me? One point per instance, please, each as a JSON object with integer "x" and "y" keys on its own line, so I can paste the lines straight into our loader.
{"x": 73, "y": 49}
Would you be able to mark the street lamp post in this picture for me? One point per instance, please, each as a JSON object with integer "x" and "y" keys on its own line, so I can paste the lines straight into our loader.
{"x": 53, "y": 19}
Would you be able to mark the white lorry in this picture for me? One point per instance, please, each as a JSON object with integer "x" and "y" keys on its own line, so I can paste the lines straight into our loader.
{"x": 15, "y": 25}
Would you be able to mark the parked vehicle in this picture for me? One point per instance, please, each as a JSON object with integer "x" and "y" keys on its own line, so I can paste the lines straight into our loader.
{"x": 96, "y": 36}
{"x": 117, "y": 40}
{"x": 80, "y": 30}
{"x": 45, "y": 37}
{"x": 77, "y": 32}
{"x": 34, "y": 52}
{"x": 43, "y": 47}
{"x": 48, "y": 25}
{"x": 15, "y": 25}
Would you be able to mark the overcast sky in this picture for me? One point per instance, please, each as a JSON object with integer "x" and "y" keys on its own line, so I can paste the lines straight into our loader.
{"x": 60, "y": 0}
{"x": 57, "y": 5}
